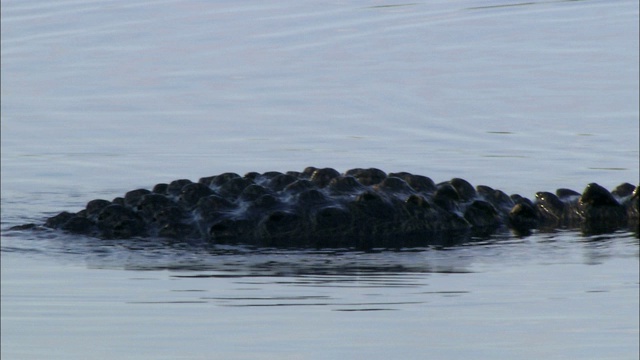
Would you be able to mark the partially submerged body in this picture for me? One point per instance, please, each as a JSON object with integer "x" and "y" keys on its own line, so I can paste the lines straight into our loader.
{"x": 362, "y": 208}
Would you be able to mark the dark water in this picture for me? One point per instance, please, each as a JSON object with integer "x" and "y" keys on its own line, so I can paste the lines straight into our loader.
{"x": 102, "y": 97}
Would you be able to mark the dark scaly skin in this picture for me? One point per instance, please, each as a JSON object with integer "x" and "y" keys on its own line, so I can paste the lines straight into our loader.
{"x": 362, "y": 208}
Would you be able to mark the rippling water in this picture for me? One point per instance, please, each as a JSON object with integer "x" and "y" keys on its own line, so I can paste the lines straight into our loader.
{"x": 101, "y": 97}
{"x": 550, "y": 296}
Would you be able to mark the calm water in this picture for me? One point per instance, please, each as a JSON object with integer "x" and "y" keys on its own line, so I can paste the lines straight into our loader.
{"x": 101, "y": 97}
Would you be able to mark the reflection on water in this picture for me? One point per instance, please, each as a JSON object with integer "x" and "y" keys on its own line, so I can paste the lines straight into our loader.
{"x": 340, "y": 280}
{"x": 335, "y": 279}
{"x": 238, "y": 261}
{"x": 557, "y": 288}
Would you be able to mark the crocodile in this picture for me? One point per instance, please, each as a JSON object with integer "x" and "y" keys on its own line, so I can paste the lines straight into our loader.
{"x": 360, "y": 208}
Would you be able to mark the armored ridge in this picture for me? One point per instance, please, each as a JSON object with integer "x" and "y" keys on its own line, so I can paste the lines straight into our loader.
{"x": 362, "y": 208}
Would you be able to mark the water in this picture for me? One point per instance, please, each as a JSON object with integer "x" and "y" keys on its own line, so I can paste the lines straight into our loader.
{"x": 99, "y": 98}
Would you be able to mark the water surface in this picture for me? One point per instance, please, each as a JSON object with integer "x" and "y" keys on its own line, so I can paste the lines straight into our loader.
{"x": 102, "y": 97}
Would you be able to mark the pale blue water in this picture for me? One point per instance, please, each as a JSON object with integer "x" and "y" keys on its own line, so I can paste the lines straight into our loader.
{"x": 101, "y": 97}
